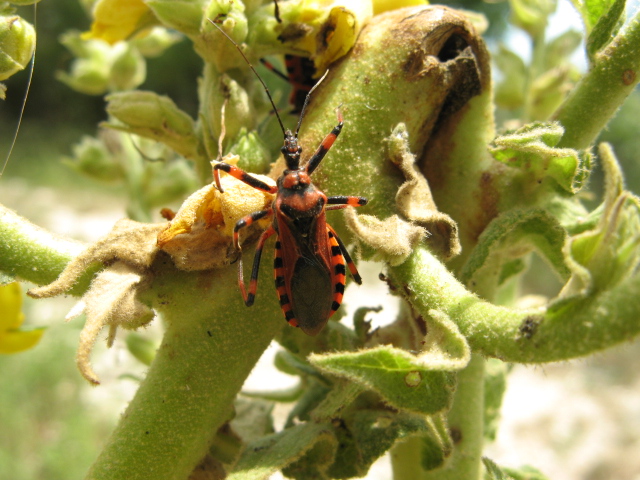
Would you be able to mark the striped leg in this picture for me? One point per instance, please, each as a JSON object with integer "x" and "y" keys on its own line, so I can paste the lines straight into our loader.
{"x": 324, "y": 147}
{"x": 285, "y": 301}
{"x": 245, "y": 222}
{"x": 242, "y": 176}
{"x": 339, "y": 276}
{"x": 343, "y": 250}
{"x": 250, "y": 296}
{"x": 340, "y": 202}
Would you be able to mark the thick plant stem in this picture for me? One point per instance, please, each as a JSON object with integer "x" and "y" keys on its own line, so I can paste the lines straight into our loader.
{"x": 525, "y": 336}
{"x": 603, "y": 89}
{"x": 34, "y": 254}
{"x": 466, "y": 426}
{"x": 211, "y": 344}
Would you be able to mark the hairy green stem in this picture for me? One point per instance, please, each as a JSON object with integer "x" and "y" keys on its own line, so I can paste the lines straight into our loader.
{"x": 466, "y": 427}
{"x": 34, "y": 254}
{"x": 211, "y": 344}
{"x": 593, "y": 102}
{"x": 524, "y": 336}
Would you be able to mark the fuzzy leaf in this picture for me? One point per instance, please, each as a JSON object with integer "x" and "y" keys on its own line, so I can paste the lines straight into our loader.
{"x": 376, "y": 432}
{"x": 422, "y": 383}
{"x": 266, "y": 456}
{"x": 610, "y": 253}
{"x": 510, "y": 236}
{"x": 532, "y": 148}
{"x": 606, "y": 27}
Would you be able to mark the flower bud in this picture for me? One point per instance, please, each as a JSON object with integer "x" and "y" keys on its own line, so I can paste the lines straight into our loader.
{"x": 92, "y": 158}
{"x": 154, "y": 116}
{"x": 89, "y": 72}
{"x": 17, "y": 42}
{"x": 128, "y": 70}
{"x": 253, "y": 153}
{"x": 184, "y": 16}
{"x": 211, "y": 44}
{"x": 156, "y": 42}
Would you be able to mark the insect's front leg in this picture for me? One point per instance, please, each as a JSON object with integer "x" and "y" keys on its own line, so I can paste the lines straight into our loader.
{"x": 250, "y": 294}
{"x": 242, "y": 176}
{"x": 343, "y": 201}
{"x": 324, "y": 147}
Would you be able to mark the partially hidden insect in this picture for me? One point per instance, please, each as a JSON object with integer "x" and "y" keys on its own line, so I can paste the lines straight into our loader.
{"x": 310, "y": 259}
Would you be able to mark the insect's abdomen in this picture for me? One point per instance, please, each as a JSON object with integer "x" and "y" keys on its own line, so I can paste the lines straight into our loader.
{"x": 311, "y": 295}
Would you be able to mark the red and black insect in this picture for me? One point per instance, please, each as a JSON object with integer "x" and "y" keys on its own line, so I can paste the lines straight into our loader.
{"x": 310, "y": 259}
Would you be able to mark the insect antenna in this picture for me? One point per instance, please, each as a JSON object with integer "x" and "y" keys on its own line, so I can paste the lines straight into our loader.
{"x": 306, "y": 100}
{"x": 264, "y": 85}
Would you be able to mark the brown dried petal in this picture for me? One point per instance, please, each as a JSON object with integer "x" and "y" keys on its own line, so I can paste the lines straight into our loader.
{"x": 112, "y": 301}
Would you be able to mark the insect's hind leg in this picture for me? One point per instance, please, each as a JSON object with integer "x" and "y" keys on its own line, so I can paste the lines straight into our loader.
{"x": 345, "y": 253}
{"x": 250, "y": 295}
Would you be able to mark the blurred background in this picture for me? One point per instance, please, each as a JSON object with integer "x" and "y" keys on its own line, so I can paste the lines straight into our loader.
{"x": 575, "y": 420}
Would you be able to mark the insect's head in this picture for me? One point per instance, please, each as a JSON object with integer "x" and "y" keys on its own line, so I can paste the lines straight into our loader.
{"x": 291, "y": 150}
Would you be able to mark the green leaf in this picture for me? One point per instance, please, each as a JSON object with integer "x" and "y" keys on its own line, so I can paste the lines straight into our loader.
{"x": 531, "y": 15}
{"x": 377, "y": 430}
{"x": 493, "y": 471}
{"x": 419, "y": 383}
{"x": 606, "y": 27}
{"x": 558, "y": 50}
{"x": 531, "y": 148}
{"x": 510, "y": 91}
{"x": 525, "y": 473}
{"x": 604, "y": 257}
{"x": 272, "y": 453}
{"x": 510, "y": 236}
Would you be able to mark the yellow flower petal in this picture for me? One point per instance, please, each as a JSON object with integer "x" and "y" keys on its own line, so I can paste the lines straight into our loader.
{"x": 380, "y": 6}
{"x": 16, "y": 340}
{"x": 11, "y": 316}
{"x": 115, "y": 20}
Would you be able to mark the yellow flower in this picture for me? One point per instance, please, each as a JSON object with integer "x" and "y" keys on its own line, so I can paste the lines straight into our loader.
{"x": 12, "y": 339}
{"x": 115, "y": 20}
{"x": 380, "y": 6}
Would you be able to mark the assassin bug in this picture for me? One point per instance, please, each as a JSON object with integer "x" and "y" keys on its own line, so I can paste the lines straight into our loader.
{"x": 310, "y": 259}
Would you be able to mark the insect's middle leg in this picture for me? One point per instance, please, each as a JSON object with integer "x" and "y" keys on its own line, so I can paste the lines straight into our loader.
{"x": 250, "y": 295}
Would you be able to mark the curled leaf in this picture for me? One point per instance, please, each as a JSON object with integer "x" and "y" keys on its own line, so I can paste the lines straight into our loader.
{"x": 532, "y": 148}
{"x": 111, "y": 301}
{"x": 414, "y": 200}
{"x": 420, "y": 382}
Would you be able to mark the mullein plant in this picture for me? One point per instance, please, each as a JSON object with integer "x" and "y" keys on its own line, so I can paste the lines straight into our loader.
{"x": 455, "y": 211}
